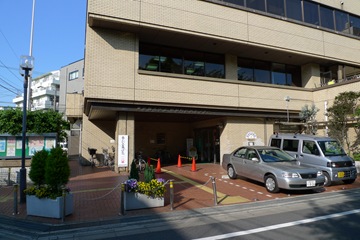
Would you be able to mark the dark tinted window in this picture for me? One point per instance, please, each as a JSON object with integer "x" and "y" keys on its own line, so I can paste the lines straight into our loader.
{"x": 262, "y": 72}
{"x": 214, "y": 66}
{"x": 245, "y": 70}
{"x": 327, "y": 17}
{"x": 180, "y": 61}
{"x": 293, "y": 9}
{"x": 275, "y": 142}
{"x": 194, "y": 63}
{"x": 256, "y": 4}
{"x": 290, "y": 145}
{"x": 342, "y": 21}
{"x": 276, "y": 7}
{"x": 311, "y": 12}
{"x": 149, "y": 57}
{"x": 267, "y": 72}
{"x": 355, "y": 25}
{"x": 278, "y": 74}
{"x": 171, "y": 60}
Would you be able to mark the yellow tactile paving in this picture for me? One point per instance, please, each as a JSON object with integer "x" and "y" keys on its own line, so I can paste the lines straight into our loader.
{"x": 222, "y": 198}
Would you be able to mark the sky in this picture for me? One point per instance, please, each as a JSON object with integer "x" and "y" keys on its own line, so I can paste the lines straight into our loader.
{"x": 58, "y": 39}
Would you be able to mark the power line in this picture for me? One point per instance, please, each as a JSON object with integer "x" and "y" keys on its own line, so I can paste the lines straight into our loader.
{"x": 7, "y": 83}
{"x": 10, "y": 71}
{"x": 7, "y": 89}
{"x": 16, "y": 55}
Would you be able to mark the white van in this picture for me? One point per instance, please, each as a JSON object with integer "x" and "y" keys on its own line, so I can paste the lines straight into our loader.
{"x": 323, "y": 153}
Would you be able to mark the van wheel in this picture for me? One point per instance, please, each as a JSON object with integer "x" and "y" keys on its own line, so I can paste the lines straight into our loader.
{"x": 349, "y": 181}
{"x": 327, "y": 182}
{"x": 271, "y": 184}
{"x": 231, "y": 172}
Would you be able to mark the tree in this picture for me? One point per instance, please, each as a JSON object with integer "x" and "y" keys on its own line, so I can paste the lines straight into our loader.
{"x": 37, "y": 170}
{"x": 41, "y": 121}
{"x": 308, "y": 115}
{"x": 57, "y": 171}
{"x": 340, "y": 114}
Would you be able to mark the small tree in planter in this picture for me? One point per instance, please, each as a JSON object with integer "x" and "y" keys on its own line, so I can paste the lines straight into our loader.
{"x": 57, "y": 171}
{"x": 134, "y": 172}
{"x": 45, "y": 198}
{"x": 149, "y": 173}
{"x": 37, "y": 170}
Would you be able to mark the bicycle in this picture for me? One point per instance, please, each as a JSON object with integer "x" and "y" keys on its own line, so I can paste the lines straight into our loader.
{"x": 109, "y": 157}
{"x": 140, "y": 162}
{"x": 92, "y": 152}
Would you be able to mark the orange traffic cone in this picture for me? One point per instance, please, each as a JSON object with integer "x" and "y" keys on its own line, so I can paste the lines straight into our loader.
{"x": 179, "y": 161}
{"x": 193, "y": 166}
{"x": 158, "y": 167}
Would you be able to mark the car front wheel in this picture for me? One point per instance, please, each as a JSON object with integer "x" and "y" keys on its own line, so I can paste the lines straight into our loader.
{"x": 231, "y": 172}
{"x": 327, "y": 179}
{"x": 271, "y": 184}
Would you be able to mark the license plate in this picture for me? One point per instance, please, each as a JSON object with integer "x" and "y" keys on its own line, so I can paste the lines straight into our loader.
{"x": 341, "y": 174}
{"x": 310, "y": 183}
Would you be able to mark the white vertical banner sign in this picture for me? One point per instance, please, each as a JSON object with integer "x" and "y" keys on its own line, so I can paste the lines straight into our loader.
{"x": 123, "y": 150}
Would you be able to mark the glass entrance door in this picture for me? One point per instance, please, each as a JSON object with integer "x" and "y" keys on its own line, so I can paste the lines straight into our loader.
{"x": 207, "y": 141}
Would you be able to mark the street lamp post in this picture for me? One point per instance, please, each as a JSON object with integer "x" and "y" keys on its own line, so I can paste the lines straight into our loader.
{"x": 26, "y": 66}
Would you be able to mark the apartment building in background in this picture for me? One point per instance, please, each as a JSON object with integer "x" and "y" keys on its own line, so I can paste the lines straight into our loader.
{"x": 44, "y": 92}
{"x": 167, "y": 76}
{"x": 62, "y": 91}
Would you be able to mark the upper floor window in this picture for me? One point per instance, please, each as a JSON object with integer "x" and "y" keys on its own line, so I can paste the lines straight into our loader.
{"x": 311, "y": 13}
{"x": 293, "y": 9}
{"x": 276, "y": 7}
{"x": 180, "y": 61}
{"x": 268, "y": 72}
{"x": 256, "y": 4}
{"x": 74, "y": 75}
{"x": 307, "y": 11}
{"x": 327, "y": 17}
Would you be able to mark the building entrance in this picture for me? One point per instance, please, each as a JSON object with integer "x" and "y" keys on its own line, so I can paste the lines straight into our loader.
{"x": 207, "y": 142}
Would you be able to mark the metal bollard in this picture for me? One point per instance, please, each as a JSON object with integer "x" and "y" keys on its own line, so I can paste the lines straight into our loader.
{"x": 214, "y": 190}
{"x": 64, "y": 204}
{"x": 171, "y": 194}
{"x": 16, "y": 199}
{"x": 122, "y": 200}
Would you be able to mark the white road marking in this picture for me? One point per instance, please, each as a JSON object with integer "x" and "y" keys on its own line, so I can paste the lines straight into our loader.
{"x": 282, "y": 225}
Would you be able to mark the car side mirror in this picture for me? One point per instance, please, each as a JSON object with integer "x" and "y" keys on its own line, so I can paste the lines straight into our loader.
{"x": 255, "y": 159}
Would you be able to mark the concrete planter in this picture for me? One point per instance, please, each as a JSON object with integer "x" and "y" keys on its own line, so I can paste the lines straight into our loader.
{"x": 138, "y": 201}
{"x": 51, "y": 208}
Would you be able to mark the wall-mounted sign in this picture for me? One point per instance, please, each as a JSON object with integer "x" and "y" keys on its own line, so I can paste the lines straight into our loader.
{"x": 251, "y": 136}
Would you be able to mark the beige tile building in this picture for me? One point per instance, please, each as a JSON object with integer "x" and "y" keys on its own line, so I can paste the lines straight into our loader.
{"x": 171, "y": 74}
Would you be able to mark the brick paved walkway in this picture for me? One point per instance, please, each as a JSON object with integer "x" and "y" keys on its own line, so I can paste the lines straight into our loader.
{"x": 97, "y": 192}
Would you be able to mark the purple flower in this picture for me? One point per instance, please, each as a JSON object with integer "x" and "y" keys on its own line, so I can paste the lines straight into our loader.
{"x": 161, "y": 180}
{"x": 131, "y": 185}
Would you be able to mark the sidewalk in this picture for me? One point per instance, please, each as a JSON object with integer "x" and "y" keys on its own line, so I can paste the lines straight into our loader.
{"x": 97, "y": 192}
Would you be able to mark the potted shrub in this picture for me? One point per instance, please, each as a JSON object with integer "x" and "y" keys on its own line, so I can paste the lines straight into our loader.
{"x": 50, "y": 173}
{"x": 144, "y": 194}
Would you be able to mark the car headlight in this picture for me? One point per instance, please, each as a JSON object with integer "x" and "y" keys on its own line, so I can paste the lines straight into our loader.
{"x": 290, "y": 175}
{"x": 319, "y": 173}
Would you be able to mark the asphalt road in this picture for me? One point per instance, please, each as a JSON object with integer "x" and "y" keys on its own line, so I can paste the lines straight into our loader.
{"x": 334, "y": 215}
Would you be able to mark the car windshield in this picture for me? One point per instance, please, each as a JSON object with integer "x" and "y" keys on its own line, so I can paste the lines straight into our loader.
{"x": 275, "y": 155}
{"x": 331, "y": 148}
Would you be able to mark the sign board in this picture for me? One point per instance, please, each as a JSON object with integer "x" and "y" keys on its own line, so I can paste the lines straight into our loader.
{"x": 123, "y": 150}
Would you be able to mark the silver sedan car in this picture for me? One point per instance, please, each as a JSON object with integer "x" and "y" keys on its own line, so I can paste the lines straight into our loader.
{"x": 272, "y": 166}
